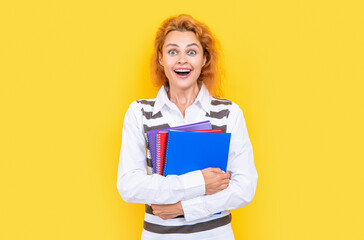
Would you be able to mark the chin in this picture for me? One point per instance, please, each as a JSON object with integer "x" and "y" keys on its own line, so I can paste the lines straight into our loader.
{"x": 183, "y": 83}
{"x": 184, "y": 86}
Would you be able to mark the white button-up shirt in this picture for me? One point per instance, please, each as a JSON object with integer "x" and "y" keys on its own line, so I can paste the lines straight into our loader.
{"x": 137, "y": 186}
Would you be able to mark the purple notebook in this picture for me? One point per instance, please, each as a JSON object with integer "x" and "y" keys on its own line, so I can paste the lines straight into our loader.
{"x": 152, "y": 137}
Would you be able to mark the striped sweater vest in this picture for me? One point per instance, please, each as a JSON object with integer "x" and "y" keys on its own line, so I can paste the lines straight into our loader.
{"x": 219, "y": 113}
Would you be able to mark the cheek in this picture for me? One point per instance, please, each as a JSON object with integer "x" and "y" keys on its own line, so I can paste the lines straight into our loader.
{"x": 168, "y": 63}
{"x": 167, "y": 58}
{"x": 198, "y": 62}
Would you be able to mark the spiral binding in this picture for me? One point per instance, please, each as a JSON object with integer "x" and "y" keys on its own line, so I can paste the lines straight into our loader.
{"x": 158, "y": 162}
{"x": 166, "y": 156}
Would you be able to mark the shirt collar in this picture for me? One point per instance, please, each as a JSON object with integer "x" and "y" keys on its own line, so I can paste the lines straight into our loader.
{"x": 203, "y": 97}
{"x": 161, "y": 100}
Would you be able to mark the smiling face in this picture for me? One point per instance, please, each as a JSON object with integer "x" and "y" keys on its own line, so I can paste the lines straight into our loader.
{"x": 182, "y": 59}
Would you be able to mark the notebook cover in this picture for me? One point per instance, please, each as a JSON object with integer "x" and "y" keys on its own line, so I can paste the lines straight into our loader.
{"x": 161, "y": 150}
{"x": 162, "y": 146}
{"x": 190, "y": 151}
{"x": 152, "y": 137}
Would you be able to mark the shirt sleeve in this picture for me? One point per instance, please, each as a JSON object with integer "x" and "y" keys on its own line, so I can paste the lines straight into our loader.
{"x": 133, "y": 182}
{"x": 243, "y": 179}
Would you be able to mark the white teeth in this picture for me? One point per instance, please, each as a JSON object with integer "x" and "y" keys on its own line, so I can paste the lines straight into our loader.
{"x": 182, "y": 70}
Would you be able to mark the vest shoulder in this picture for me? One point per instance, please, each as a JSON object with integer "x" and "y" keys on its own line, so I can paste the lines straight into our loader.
{"x": 223, "y": 103}
{"x": 220, "y": 101}
{"x": 146, "y": 101}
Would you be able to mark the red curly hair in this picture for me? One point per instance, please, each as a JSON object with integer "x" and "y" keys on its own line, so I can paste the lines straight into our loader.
{"x": 210, "y": 71}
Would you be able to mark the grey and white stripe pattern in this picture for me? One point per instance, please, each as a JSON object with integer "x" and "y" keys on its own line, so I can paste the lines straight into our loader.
{"x": 187, "y": 228}
{"x": 218, "y": 115}
{"x": 150, "y": 122}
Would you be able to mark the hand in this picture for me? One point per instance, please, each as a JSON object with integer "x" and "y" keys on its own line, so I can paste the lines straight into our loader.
{"x": 215, "y": 180}
{"x": 167, "y": 211}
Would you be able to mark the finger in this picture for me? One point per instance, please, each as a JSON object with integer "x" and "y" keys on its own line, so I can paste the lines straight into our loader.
{"x": 224, "y": 186}
{"x": 217, "y": 170}
{"x": 225, "y": 177}
{"x": 209, "y": 169}
{"x": 225, "y": 181}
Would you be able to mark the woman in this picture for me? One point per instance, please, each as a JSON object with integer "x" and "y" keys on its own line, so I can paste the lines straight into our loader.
{"x": 194, "y": 205}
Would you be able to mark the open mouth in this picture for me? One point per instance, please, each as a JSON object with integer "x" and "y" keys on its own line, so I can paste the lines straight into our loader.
{"x": 183, "y": 72}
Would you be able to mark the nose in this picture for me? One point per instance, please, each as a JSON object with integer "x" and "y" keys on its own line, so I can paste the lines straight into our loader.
{"x": 182, "y": 58}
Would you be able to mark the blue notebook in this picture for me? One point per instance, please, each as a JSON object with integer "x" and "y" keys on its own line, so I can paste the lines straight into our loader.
{"x": 190, "y": 151}
{"x": 152, "y": 137}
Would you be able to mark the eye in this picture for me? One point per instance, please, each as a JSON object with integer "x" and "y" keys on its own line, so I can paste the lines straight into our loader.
{"x": 172, "y": 52}
{"x": 192, "y": 52}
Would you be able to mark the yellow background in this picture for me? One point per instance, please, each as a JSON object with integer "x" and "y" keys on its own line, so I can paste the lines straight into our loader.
{"x": 69, "y": 70}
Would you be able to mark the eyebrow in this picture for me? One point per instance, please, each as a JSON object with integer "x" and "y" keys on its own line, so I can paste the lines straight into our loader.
{"x": 175, "y": 45}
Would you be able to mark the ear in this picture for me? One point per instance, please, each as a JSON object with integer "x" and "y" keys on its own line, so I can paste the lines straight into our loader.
{"x": 204, "y": 60}
{"x": 160, "y": 58}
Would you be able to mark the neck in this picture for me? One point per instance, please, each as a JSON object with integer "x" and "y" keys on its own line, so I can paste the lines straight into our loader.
{"x": 183, "y": 98}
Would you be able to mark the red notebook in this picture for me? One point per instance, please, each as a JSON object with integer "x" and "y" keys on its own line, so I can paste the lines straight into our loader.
{"x": 161, "y": 150}
{"x": 162, "y": 137}
{"x": 208, "y": 130}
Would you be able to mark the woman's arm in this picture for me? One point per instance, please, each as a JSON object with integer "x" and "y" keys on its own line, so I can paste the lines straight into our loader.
{"x": 243, "y": 180}
{"x": 167, "y": 211}
{"x": 134, "y": 184}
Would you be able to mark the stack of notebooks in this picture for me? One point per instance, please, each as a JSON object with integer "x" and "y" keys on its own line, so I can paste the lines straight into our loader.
{"x": 182, "y": 149}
